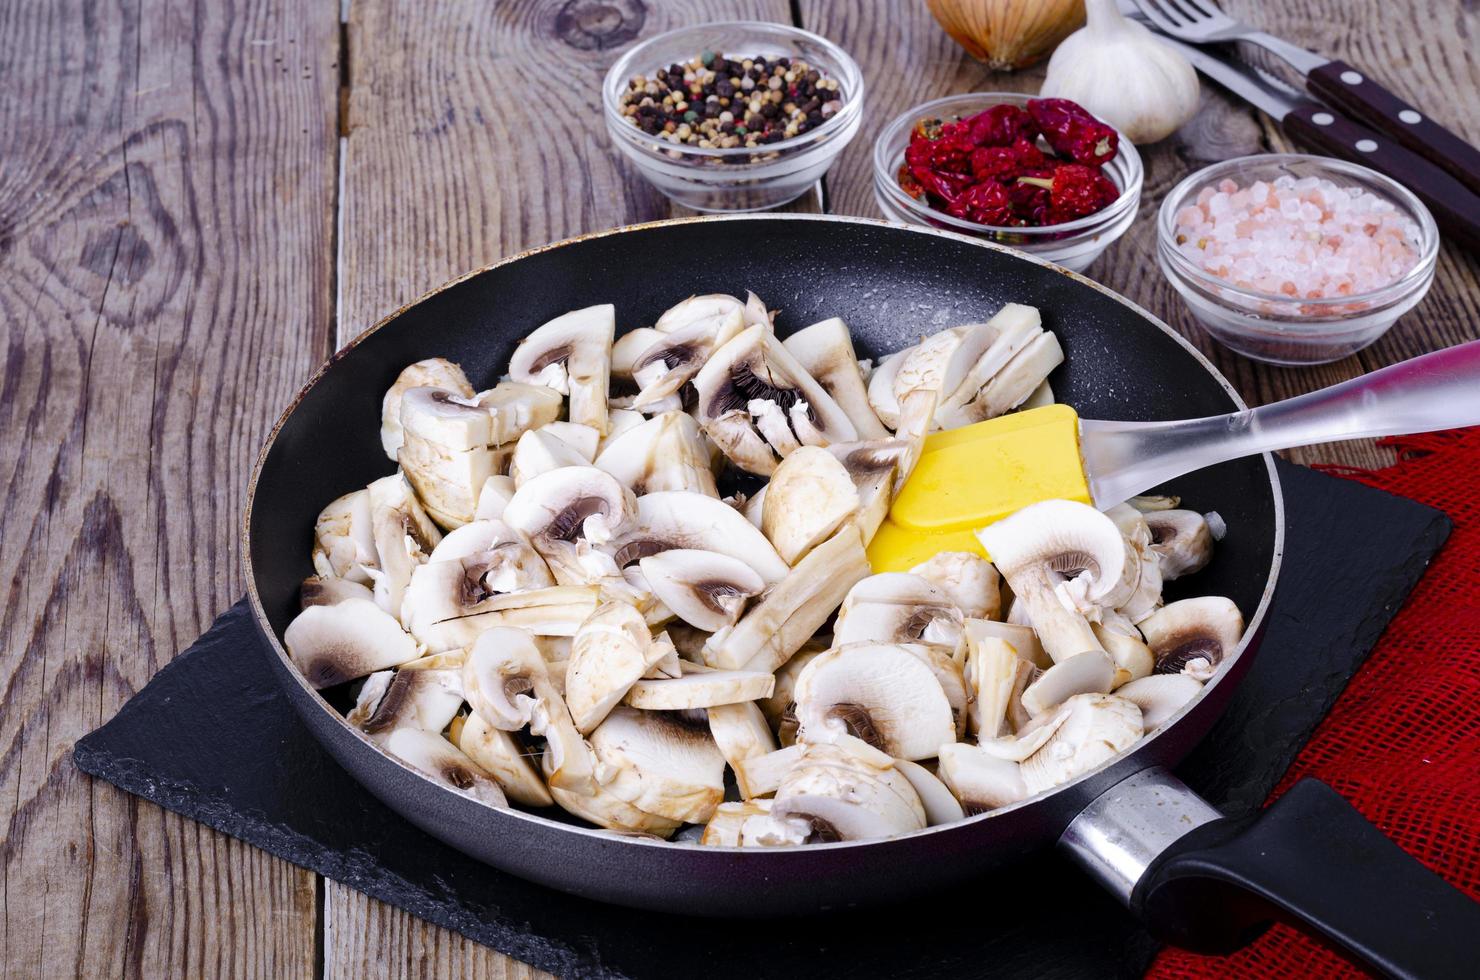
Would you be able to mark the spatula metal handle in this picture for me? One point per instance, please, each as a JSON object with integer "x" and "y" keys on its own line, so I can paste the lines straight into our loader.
{"x": 1436, "y": 391}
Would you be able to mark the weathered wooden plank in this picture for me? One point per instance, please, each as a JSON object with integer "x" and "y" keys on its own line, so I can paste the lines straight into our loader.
{"x": 166, "y": 197}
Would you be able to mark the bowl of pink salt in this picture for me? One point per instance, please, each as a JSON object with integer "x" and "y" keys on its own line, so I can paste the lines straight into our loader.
{"x": 1295, "y": 259}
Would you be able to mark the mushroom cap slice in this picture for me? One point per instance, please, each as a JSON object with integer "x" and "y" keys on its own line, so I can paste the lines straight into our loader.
{"x": 1207, "y": 628}
{"x": 539, "y": 451}
{"x": 334, "y": 644}
{"x": 371, "y": 693}
{"x": 979, "y": 780}
{"x": 672, "y": 519}
{"x": 941, "y": 805}
{"x": 666, "y": 452}
{"x": 1028, "y": 739}
{"x": 675, "y": 357}
{"x": 571, "y": 354}
{"x": 434, "y": 372}
{"x": 426, "y": 700}
{"x": 625, "y": 351}
{"x": 874, "y": 468}
{"x": 504, "y": 758}
{"x": 446, "y": 481}
{"x": 1159, "y": 696}
{"x": 506, "y": 680}
{"x": 514, "y": 408}
{"x": 611, "y": 652}
{"x": 473, "y": 538}
{"x": 881, "y": 397}
{"x": 710, "y": 307}
{"x": 443, "y": 595}
{"x": 1017, "y": 381}
{"x": 555, "y": 611}
{"x": 319, "y": 591}
{"x": 741, "y": 732}
{"x": 993, "y": 672}
{"x": 582, "y": 438}
{"x": 1096, "y": 728}
{"x": 494, "y": 497}
{"x": 967, "y": 579}
{"x": 933, "y": 369}
{"x": 809, "y": 496}
{"x": 701, "y": 690}
{"x": 1024, "y": 641}
{"x": 344, "y": 543}
{"x": 735, "y": 824}
{"x": 835, "y": 793}
{"x": 1182, "y": 539}
{"x": 438, "y": 759}
{"x": 1012, "y": 328}
{"x": 706, "y": 589}
{"x": 878, "y": 692}
{"x": 825, "y": 351}
{"x": 1091, "y": 672}
{"x": 780, "y": 707}
{"x": 562, "y": 508}
{"x": 761, "y": 775}
{"x": 449, "y": 420}
{"x": 899, "y": 607}
{"x": 404, "y": 537}
{"x": 1132, "y": 658}
{"x": 794, "y": 609}
{"x": 659, "y": 764}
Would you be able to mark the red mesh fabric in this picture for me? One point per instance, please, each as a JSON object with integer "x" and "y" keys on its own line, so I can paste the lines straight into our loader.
{"x": 1403, "y": 741}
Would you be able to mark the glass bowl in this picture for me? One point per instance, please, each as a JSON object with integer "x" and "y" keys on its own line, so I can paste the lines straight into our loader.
{"x": 1277, "y": 328}
{"x": 1073, "y": 244}
{"x": 737, "y": 178}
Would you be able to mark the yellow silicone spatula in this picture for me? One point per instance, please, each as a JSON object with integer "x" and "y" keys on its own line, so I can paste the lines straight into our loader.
{"x": 969, "y": 477}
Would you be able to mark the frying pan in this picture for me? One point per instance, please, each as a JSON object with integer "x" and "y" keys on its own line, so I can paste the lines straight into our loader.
{"x": 1196, "y": 877}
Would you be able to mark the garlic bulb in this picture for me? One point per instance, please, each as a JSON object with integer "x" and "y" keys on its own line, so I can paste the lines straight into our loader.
{"x": 1121, "y": 73}
{"x": 1008, "y": 34}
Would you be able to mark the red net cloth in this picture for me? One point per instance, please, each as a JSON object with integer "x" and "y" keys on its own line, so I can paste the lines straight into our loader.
{"x": 1403, "y": 741}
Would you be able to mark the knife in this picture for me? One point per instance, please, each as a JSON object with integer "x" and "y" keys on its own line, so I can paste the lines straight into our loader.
{"x": 1455, "y": 207}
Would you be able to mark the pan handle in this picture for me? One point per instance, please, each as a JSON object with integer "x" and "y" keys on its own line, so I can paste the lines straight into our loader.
{"x": 1214, "y": 883}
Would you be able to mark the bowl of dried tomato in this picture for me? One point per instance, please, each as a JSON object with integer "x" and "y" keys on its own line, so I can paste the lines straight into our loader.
{"x": 1040, "y": 175}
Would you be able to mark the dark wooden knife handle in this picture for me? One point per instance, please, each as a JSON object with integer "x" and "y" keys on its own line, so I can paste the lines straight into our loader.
{"x": 1455, "y": 207}
{"x": 1356, "y": 94}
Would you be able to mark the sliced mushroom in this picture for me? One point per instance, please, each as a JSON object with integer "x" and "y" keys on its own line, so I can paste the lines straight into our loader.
{"x": 404, "y": 537}
{"x": 948, "y": 672}
{"x": 1024, "y": 641}
{"x": 435, "y": 757}
{"x": 503, "y": 757}
{"x": 881, "y": 397}
{"x": 554, "y": 611}
{"x": 447, "y": 483}
{"x": 979, "y": 780}
{"x": 933, "y": 369}
{"x": 794, "y": 609}
{"x": 1020, "y": 377}
{"x": 582, "y": 438}
{"x": 994, "y": 671}
{"x": 808, "y": 498}
{"x": 571, "y": 354}
{"x": 426, "y": 700}
{"x": 1010, "y": 330}
{"x": 1207, "y": 628}
{"x": 606, "y": 810}
{"x": 898, "y": 607}
{"x": 1090, "y": 672}
{"x": 1028, "y": 739}
{"x": 735, "y": 824}
{"x": 446, "y": 660}
{"x": 1182, "y": 539}
{"x": 371, "y": 693}
{"x": 559, "y": 509}
{"x": 659, "y": 764}
{"x": 623, "y": 387}
{"x": 1042, "y": 395}
{"x": 878, "y": 692}
{"x": 494, "y": 497}
{"x": 672, "y": 519}
{"x": 471, "y": 539}
{"x": 434, "y": 372}
{"x": 666, "y": 452}
{"x": 700, "y": 690}
{"x": 1047, "y": 544}
{"x": 611, "y": 652}
{"x": 334, "y": 644}
{"x": 712, "y": 308}
{"x": 1159, "y": 696}
{"x": 745, "y": 376}
{"x": 741, "y": 732}
{"x": 344, "y": 544}
{"x": 825, "y": 351}
{"x": 967, "y": 579}
{"x": 507, "y": 682}
{"x": 1096, "y": 728}
{"x": 319, "y": 591}
{"x": 514, "y": 408}
{"x": 780, "y": 707}
{"x": 706, "y": 589}
{"x": 941, "y": 805}
{"x": 677, "y": 356}
{"x": 761, "y": 775}
{"x": 836, "y": 792}
{"x": 445, "y": 600}
{"x": 619, "y": 423}
{"x": 1132, "y": 658}
{"x": 538, "y": 452}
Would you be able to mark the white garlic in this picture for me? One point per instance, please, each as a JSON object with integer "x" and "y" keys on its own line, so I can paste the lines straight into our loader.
{"x": 1120, "y": 72}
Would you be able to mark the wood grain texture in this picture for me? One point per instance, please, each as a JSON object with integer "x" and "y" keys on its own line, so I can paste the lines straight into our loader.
{"x": 166, "y": 193}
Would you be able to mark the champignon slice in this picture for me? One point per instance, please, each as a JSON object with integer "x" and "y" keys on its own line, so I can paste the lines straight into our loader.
{"x": 898, "y": 607}
{"x": 445, "y": 598}
{"x": 623, "y": 387}
{"x": 967, "y": 579}
{"x": 446, "y": 481}
{"x": 676, "y": 357}
{"x": 741, "y": 732}
{"x": 371, "y": 692}
{"x": 1022, "y": 638}
{"x": 754, "y": 370}
{"x": 434, "y": 372}
{"x": 514, "y": 408}
{"x": 1096, "y": 728}
{"x": 1028, "y": 739}
{"x": 735, "y": 824}
{"x": 666, "y": 452}
{"x": 794, "y": 609}
{"x": 562, "y": 508}
{"x": 538, "y": 452}
{"x": 426, "y": 700}
{"x": 404, "y": 537}
{"x": 504, "y": 758}
{"x": 1013, "y": 328}
{"x": 979, "y": 780}
{"x": 319, "y": 591}
{"x": 761, "y": 775}
{"x": 701, "y": 690}
{"x": 1090, "y": 672}
{"x": 611, "y": 813}
{"x": 506, "y": 681}
{"x": 659, "y": 764}
{"x": 1022, "y": 376}
{"x": 438, "y": 759}
{"x": 780, "y": 707}
{"x": 555, "y": 611}
{"x": 571, "y": 354}
{"x": 1159, "y": 696}
{"x": 1182, "y": 539}
{"x": 494, "y": 497}
{"x": 993, "y": 672}
{"x": 874, "y": 467}
{"x": 836, "y": 793}
{"x": 941, "y": 806}
{"x": 932, "y": 370}
{"x": 611, "y": 652}
{"x": 1207, "y": 628}
{"x": 472, "y": 539}
{"x": 1132, "y": 658}
{"x": 703, "y": 588}
{"x": 825, "y": 351}
{"x": 948, "y": 672}
{"x": 1046, "y": 545}
{"x": 808, "y": 498}
{"x": 619, "y": 423}
{"x": 877, "y": 692}
{"x": 334, "y": 644}
{"x": 446, "y": 660}
{"x": 672, "y": 519}
{"x": 344, "y": 544}
{"x": 881, "y": 396}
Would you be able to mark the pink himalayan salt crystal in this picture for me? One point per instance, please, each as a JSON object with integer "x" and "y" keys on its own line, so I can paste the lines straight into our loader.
{"x": 1305, "y": 239}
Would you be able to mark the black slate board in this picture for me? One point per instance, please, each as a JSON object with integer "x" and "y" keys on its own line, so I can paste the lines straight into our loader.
{"x": 211, "y": 737}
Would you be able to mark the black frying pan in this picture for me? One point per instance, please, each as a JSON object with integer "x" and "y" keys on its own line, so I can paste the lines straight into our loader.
{"x": 1197, "y": 878}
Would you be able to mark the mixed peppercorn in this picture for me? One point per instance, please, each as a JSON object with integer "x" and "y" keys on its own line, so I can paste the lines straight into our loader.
{"x": 724, "y": 102}
{"x": 989, "y": 168}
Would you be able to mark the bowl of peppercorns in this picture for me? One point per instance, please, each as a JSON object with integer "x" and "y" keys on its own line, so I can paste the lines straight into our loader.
{"x": 1040, "y": 175}
{"x": 739, "y": 116}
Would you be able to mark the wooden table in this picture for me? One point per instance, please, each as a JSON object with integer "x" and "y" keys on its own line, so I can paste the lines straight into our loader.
{"x": 199, "y": 202}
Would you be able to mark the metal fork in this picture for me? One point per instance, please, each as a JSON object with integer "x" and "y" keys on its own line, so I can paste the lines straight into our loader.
{"x": 1201, "y": 22}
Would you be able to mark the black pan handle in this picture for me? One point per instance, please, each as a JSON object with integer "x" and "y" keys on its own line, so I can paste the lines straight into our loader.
{"x": 1310, "y": 859}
